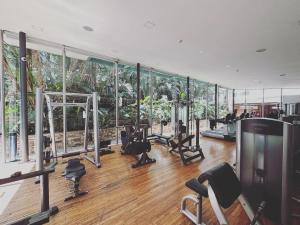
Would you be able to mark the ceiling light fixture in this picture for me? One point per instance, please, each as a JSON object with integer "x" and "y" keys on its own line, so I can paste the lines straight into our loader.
{"x": 37, "y": 28}
{"x": 180, "y": 41}
{"x": 227, "y": 66}
{"x": 149, "y": 25}
{"x": 261, "y": 50}
{"x": 88, "y": 28}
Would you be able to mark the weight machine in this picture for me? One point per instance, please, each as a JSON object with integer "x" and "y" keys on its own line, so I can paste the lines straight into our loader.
{"x": 186, "y": 152}
{"x": 91, "y": 100}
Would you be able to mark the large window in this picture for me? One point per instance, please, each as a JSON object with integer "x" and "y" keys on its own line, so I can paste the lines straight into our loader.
{"x": 254, "y": 100}
{"x": 162, "y": 102}
{"x": 163, "y": 95}
{"x": 199, "y": 92}
{"x": 223, "y": 102}
{"x": 272, "y": 101}
{"x": 239, "y": 100}
{"x": 127, "y": 94}
{"x": 211, "y": 101}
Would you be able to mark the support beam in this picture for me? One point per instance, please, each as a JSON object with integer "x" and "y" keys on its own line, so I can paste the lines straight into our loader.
{"x": 117, "y": 92}
{"x": 117, "y": 98}
{"x": 233, "y": 100}
{"x": 23, "y": 98}
{"x": 96, "y": 130}
{"x": 138, "y": 95}
{"x": 151, "y": 100}
{"x": 216, "y": 101}
{"x": 64, "y": 102}
{"x": 39, "y": 129}
{"x": 263, "y": 104}
{"x": 2, "y": 99}
{"x": 188, "y": 106}
{"x": 206, "y": 111}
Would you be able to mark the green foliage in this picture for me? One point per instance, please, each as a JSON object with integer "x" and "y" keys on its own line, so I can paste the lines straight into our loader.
{"x": 45, "y": 71}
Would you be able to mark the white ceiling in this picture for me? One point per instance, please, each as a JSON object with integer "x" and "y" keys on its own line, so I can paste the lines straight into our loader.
{"x": 220, "y": 37}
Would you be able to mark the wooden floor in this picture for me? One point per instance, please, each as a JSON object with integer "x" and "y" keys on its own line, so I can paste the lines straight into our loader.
{"x": 119, "y": 194}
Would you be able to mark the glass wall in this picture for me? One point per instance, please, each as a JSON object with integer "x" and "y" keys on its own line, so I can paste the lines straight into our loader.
{"x": 211, "y": 101}
{"x": 223, "y": 102}
{"x": 199, "y": 91}
{"x": 127, "y": 94}
{"x": 11, "y": 98}
{"x": 239, "y": 100}
{"x": 163, "y": 102}
{"x": 254, "y": 100}
{"x": 272, "y": 101}
{"x": 162, "y": 94}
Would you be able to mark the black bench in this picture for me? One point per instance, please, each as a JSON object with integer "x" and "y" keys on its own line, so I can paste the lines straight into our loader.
{"x": 222, "y": 190}
{"x": 73, "y": 173}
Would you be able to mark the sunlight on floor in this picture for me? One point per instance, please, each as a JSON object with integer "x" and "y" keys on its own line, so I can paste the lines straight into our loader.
{"x": 8, "y": 191}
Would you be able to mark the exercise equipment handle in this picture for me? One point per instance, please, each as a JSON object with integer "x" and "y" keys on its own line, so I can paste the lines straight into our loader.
{"x": 258, "y": 213}
{"x": 25, "y": 176}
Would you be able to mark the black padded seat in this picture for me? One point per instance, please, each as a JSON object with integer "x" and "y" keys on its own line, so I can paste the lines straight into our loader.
{"x": 224, "y": 183}
{"x": 74, "y": 170}
{"x": 197, "y": 187}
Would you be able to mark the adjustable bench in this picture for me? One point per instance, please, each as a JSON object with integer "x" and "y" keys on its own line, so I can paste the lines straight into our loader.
{"x": 73, "y": 173}
{"x": 222, "y": 190}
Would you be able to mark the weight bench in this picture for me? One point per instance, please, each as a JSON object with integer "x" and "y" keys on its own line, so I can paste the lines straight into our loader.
{"x": 73, "y": 173}
{"x": 222, "y": 190}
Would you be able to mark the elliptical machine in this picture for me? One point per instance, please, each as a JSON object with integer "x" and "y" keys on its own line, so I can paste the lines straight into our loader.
{"x": 134, "y": 139}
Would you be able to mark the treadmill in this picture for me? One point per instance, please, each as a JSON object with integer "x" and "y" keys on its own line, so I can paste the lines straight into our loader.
{"x": 227, "y": 132}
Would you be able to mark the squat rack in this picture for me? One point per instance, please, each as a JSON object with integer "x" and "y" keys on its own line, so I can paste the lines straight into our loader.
{"x": 40, "y": 96}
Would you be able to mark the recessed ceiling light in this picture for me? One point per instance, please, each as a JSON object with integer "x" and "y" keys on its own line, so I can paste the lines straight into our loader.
{"x": 283, "y": 75}
{"x": 37, "y": 28}
{"x": 87, "y": 28}
{"x": 149, "y": 25}
{"x": 180, "y": 41}
{"x": 227, "y": 66}
{"x": 261, "y": 50}
{"x": 114, "y": 51}
{"x": 201, "y": 52}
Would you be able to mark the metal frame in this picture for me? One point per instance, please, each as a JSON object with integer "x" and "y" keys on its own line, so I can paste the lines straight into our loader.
{"x": 2, "y": 101}
{"x": 117, "y": 98}
{"x": 39, "y": 121}
{"x": 263, "y": 103}
{"x": 64, "y": 101}
{"x": 197, "y": 200}
{"x": 23, "y": 98}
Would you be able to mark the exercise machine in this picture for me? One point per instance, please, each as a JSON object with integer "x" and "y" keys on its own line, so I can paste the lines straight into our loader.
{"x": 134, "y": 142}
{"x": 90, "y": 107}
{"x": 266, "y": 167}
{"x": 227, "y": 132}
{"x": 161, "y": 138}
{"x": 222, "y": 190}
{"x": 184, "y": 147}
{"x": 134, "y": 139}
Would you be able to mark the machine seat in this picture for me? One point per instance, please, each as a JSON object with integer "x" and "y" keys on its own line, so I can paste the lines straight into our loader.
{"x": 74, "y": 170}
{"x": 224, "y": 183}
{"x": 199, "y": 188}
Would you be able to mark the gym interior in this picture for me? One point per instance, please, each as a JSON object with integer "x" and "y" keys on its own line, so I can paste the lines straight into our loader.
{"x": 150, "y": 112}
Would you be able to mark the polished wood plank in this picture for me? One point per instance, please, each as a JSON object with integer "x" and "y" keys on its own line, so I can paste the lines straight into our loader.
{"x": 119, "y": 194}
